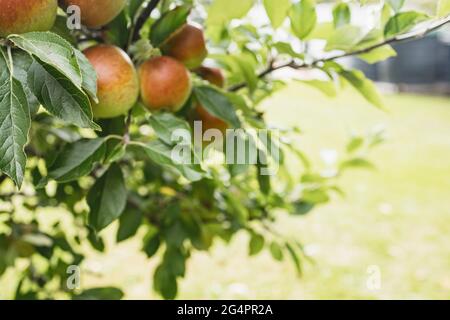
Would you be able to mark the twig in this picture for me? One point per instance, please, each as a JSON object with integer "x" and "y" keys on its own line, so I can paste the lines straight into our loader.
{"x": 397, "y": 39}
{"x": 145, "y": 14}
{"x": 126, "y": 135}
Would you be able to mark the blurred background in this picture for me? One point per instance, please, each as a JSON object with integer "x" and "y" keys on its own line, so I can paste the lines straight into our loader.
{"x": 394, "y": 221}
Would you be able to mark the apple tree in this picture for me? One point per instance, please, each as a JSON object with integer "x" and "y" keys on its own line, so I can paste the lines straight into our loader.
{"x": 92, "y": 94}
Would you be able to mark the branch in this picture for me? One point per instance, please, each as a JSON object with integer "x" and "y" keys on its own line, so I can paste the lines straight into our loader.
{"x": 145, "y": 14}
{"x": 397, "y": 39}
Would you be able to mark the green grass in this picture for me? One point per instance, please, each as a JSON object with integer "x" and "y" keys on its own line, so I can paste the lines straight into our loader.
{"x": 396, "y": 217}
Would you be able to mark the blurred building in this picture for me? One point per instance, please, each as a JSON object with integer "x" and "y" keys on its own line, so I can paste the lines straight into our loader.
{"x": 422, "y": 65}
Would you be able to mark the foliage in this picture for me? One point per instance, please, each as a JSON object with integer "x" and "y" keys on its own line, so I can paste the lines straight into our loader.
{"x": 55, "y": 155}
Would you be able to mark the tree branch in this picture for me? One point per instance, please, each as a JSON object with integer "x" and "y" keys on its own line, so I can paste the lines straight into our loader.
{"x": 145, "y": 14}
{"x": 397, "y": 39}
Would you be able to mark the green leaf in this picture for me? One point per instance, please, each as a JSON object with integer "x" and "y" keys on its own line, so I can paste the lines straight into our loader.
{"x": 385, "y": 15}
{"x": 151, "y": 243}
{"x": 117, "y": 31}
{"x": 169, "y": 23}
{"x": 161, "y": 154}
{"x": 222, "y": 11}
{"x": 22, "y": 62}
{"x": 277, "y": 11}
{"x": 302, "y": 207}
{"x": 218, "y": 104}
{"x": 357, "y": 163}
{"x": 106, "y": 293}
{"x": 129, "y": 223}
{"x": 286, "y": 48}
{"x": 88, "y": 74}
{"x": 14, "y": 122}
{"x": 355, "y": 143}
{"x": 165, "y": 124}
{"x": 345, "y": 38}
{"x": 52, "y": 50}
{"x": 165, "y": 282}
{"x": 275, "y": 250}
{"x": 175, "y": 261}
{"x": 326, "y": 87}
{"x": 378, "y": 54}
{"x": 59, "y": 96}
{"x": 256, "y": 244}
{"x": 366, "y": 87}
{"x": 303, "y": 18}
{"x": 443, "y": 8}
{"x": 396, "y": 5}
{"x": 107, "y": 198}
{"x": 61, "y": 29}
{"x": 294, "y": 258}
{"x": 77, "y": 159}
{"x": 321, "y": 31}
{"x": 341, "y": 14}
{"x": 133, "y": 7}
{"x": 246, "y": 66}
{"x": 403, "y": 22}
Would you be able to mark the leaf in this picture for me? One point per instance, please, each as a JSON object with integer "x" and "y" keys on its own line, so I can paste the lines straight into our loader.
{"x": 303, "y": 18}
{"x": 263, "y": 180}
{"x": 256, "y": 244}
{"x": 52, "y": 50}
{"x": 22, "y": 62}
{"x": 169, "y": 23}
{"x": 59, "y": 96}
{"x": 321, "y": 31}
{"x": 161, "y": 154}
{"x": 385, "y": 15}
{"x": 277, "y": 11}
{"x": 151, "y": 244}
{"x": 344, "y": 38}
{"x": 218, "y": 104}
{"x": 357, "y": 163}
{"x": 129, "y": 223}
{"x": 443, "y": 8}
{"x": 117, "y": 31}
{"x": 77, "y": 159}
{"x": 246, "y": 66}
{"x": 106, "y": 293}
{"x": 165, "y": 283}
{"x": 366, "y": 87}
{"x": 341, "y": 14}
{"x": 107, "y": 198}
{"x": 286, "y": 48}
{"x": 396, "y": 5}
{"x": 326, "y": 87}
{"x": 403, "y": 22}
{"x": 378, "y": 54}
{"x": 88, "y": 74}
{"x": 276, "y": 251}
{"x": 14, "y": 122}
{"x": 355, "y": 143}
{"x": 222, "y": 11}
{"x": 133, "y": 7}
{"x": 165, "y": 124}
{"x": 61, "y": 29}
{"x": 175, "y": 261}
{"x": 302, "y": 207}
{"x": 294, "y": 258}
{"x": 96, "y": 241}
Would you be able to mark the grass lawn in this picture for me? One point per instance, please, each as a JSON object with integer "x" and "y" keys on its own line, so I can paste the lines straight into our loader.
{"x": 396, "y": 218}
